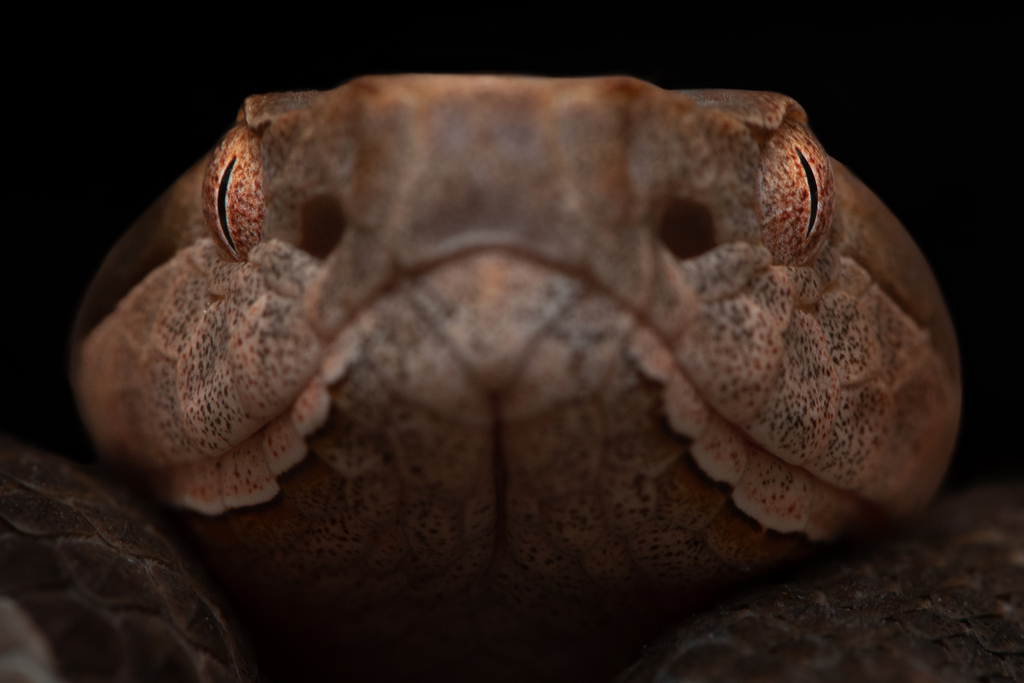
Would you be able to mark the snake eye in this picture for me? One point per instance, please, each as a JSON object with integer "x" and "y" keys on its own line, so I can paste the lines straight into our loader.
{"x": 233, "y": 193}
{"x": 797, "y": 194}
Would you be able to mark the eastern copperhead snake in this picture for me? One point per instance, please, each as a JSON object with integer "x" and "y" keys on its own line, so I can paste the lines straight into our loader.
{"x": 470, "y": 375}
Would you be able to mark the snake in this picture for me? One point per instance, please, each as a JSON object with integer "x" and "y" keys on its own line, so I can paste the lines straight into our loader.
{"x": 486, "y": 377}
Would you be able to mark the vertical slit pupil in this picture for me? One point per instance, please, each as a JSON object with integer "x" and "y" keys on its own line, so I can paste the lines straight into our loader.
{"x": 222, "y": 203}
{"x": 813, "y": 187}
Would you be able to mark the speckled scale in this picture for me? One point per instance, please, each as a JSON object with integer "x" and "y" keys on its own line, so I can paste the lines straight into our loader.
{"x": 852, "y": 343}
{"x": 212, "y": 368}
{"x": 734, "y": 356}
{"x": 797, "y": 416}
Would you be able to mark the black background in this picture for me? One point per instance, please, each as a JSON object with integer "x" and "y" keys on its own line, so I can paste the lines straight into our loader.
{"x": 925, "y": 119}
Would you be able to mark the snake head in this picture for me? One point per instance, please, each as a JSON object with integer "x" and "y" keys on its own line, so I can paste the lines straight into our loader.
{"x": 557, "y": 358}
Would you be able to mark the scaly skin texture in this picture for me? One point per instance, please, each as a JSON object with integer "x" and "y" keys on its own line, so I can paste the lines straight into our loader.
{"x": 93, "y": 589}
{"x": 490, "y": 377}
{"x": 940, "y": 602}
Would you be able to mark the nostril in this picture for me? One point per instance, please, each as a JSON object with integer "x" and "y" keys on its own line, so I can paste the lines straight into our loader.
{"x": 322, "y": 223}
{"x": 687, "y": 229}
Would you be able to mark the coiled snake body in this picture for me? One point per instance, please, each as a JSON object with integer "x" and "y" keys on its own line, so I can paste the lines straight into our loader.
{"x": 478, "y": 377}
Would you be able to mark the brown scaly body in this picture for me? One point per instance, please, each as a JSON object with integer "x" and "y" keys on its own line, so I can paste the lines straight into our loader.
{"x": 938, "y": 602}
{"x": 497, "y": 375}
{"x": 93, "y": 589}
